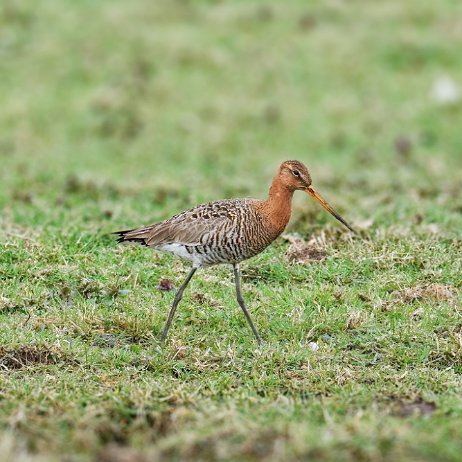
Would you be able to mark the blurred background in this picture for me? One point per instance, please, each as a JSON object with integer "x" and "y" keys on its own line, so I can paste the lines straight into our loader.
{"x": 138, "y": 109}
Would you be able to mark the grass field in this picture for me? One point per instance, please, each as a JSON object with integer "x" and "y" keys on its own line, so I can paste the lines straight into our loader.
{"x": 116, "y": 114}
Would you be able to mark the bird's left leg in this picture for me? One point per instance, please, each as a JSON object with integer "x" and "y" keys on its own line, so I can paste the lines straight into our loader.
{"x": 240, "y": 300}
{"x": 178, "y": 296}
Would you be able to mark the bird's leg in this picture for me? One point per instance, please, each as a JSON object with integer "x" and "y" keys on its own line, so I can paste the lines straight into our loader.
{"x": 240, "y": 300}
{"x": 178, "y": 296}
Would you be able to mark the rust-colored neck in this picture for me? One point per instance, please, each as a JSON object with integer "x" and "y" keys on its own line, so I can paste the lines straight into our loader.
{"x": 278, "y": 206}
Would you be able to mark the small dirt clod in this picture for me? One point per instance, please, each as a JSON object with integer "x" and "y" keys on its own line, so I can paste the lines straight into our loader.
{"x": 165, "y": 285}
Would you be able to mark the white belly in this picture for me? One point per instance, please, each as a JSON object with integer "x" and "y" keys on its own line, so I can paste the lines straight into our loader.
{"x": 199, "y": 255}
{"x": 177, "y": 249}
{"x": 180, "y": 251}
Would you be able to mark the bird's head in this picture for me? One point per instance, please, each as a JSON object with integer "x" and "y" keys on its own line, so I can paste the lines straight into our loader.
{"x": 295, "y": 176}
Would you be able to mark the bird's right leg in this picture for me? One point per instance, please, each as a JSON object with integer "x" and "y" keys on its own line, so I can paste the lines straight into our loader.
{"x": 178, "y": 297}
{"x": 240, "y": 300}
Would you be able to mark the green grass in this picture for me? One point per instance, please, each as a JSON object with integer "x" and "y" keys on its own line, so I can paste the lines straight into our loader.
{"x": 116, "y": 114}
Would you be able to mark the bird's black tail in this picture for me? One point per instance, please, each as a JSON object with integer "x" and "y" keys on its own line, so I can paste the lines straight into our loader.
{"x": 132, "y": 235}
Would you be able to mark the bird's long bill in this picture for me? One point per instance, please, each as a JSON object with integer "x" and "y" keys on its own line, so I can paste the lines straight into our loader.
{"x": 314, "y": 194}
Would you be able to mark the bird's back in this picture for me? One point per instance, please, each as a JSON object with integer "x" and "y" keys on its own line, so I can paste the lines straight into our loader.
{"x": 225, "y": 231}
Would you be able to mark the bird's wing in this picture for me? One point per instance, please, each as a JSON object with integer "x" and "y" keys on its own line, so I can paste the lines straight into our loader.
{"x": 192, "y": 227}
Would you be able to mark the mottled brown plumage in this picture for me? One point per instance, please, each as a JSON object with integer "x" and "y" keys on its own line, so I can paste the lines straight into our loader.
{"x": 228, "y": 231}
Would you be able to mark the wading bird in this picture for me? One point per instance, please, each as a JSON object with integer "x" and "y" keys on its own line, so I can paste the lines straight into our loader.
{"x": 228, "y": 231}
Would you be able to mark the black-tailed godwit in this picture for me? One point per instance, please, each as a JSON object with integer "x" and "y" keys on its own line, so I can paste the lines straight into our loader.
{"x": 228, "y": 231}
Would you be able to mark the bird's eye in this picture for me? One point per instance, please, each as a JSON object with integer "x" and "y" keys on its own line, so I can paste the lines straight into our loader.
{"x": 296, "y": 172}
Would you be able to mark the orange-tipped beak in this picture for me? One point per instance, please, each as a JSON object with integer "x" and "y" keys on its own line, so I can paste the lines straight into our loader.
{"x": 314, "y": 194}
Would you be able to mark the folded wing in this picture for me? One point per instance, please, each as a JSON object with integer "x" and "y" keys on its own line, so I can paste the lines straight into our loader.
{"x": 192, "y": 227}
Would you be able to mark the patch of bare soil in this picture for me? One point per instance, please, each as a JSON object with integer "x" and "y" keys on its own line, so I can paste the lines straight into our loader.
{"x": 438, "y": 292}
{"x": 419, "y": 407}
{"x": 24, "y": 356}
{"x": 434, "y": 292}
{"x": 303, "y": 252}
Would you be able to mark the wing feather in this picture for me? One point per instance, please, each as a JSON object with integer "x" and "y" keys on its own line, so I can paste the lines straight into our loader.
{"x": 192, "y": 227}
